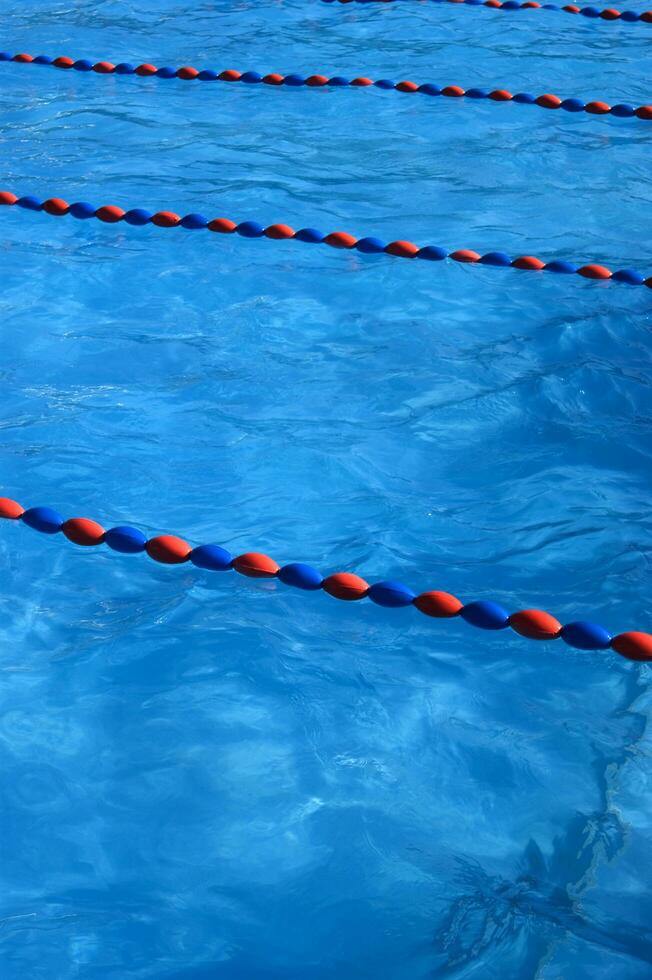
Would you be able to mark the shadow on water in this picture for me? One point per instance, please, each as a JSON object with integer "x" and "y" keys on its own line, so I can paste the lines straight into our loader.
{"x": 525, "y": 916}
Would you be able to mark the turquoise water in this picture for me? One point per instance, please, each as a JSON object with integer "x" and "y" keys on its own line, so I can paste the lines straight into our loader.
{"x": 211, "y": 776}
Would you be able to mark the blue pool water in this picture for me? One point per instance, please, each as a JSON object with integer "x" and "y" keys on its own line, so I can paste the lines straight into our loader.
{"x": 210, "y": 776}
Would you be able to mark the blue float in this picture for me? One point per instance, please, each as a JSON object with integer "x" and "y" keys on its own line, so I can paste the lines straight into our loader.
{"x": 391, "y": 594}
{"x": 485, "y": 614}
{"x": 586, "y": 636}
{"x": 212, "y": 557}
{"x": 43, "y": 519}
{"x": 125, "y": 539}
{"x": 301, "y": 576}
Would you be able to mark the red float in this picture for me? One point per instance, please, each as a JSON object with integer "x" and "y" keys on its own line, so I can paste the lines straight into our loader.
{"x": 229, "y": 75}
{"x": 146, "y": 69}
{"x": 440, "y": 605}
{"x": 465, "y": 255}
{"x": 340, "y": 239}
{"x": 548, "y": 101}
{"x": 406, "y": 87}
{"x": 273, "y": 79}
{"x": 535, "y": 624}
{"x": 316, "y": 80}
{"x": 597, "y": 108}
{"x": 405, "y": 250}
{"x": 166, "y": 219}
{"x": 224, "y": 225}
{"x": 6, "y": 197}
{"x": 81, "y": 530}
{"x": 104, "y": 68}
{"x": 453, "y": 91}
{"x": 187, "y": 73}
{"x": 56, "y": 206}
{"x": 256, "y": 565}
{"x": 279, "y": 232}
{"x": 110, "y": 213}
{"x": 10, "y": 509}
{"x": 501, "y": 95}
{"x": 63, "y": 62}
{"x": 633, "y": 645}
{"x": 595, "y": 272}
{"x": 529, "y": 262}
{"x": 168, "y": 549}
{"x": 344, "y": 585}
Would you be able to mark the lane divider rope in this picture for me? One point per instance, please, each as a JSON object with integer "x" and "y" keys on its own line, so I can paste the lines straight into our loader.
{"x": 110, "y": 214}
{"x": 593, "y": 13}
{"x": 596, "y": 107}
{"x": 535, "y": 624}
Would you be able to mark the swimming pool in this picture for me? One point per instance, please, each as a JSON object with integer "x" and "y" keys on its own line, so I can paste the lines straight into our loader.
{"x": 211, "y": 775}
